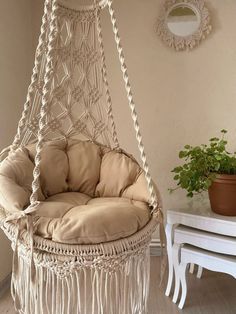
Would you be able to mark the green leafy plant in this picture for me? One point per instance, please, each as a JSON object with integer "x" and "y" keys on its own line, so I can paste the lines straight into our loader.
{"x": 202, "y": 164}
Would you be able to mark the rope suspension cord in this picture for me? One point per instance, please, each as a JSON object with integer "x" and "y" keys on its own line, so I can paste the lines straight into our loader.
{"x": 16, "y": 143}
{"x": 154, "y": 202}
{"x": 34, "y": 77}
{"x": 104, "y": 75}
{"x": 42, "y": 124}
{"x": 45, "y": 102}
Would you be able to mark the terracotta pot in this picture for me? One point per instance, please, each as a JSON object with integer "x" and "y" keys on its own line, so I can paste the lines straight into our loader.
{"x": 222, "y": 194}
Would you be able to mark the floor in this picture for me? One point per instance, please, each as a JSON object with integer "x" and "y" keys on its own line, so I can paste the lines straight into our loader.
{"x": 213, "y": 294}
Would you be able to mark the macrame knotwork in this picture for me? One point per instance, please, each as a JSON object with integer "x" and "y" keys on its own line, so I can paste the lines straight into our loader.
{"x": 69, "y": 97}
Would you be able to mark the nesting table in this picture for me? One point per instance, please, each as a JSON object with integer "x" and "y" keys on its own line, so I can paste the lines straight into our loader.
{"x": 198, "y": 226}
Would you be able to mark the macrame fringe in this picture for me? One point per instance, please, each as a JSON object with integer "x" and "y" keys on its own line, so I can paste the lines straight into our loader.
{"x": 108, "y": 278}
{"x": 87, "y": 290}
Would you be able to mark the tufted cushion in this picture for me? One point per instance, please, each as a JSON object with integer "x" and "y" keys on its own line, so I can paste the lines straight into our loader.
{"x": 54, "y": 167}
{"x": 84, "y": 166}
{"x": 138, "y": 190}
{"x": 118, "y": 171}
{"x": 16, "y": 176}
{"x": 57, "y": 205}
{"x": 90, "y": 193}
{"x": 97, "y": 220}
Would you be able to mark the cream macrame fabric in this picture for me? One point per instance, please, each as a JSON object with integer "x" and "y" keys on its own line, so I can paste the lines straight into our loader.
{"x": 76, "y": 101}
{"x": 69, "y": 98}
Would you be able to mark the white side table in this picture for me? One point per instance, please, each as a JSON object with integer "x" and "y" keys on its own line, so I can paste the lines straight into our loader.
{"x": 199, "y": 217}
{"x": 212, "y": 261}
{"x": 205, "y": 240}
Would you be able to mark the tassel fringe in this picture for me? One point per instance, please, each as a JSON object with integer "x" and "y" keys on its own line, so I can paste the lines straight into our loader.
{"x": 87, "y": 290}
{"x": 108, "y": 278}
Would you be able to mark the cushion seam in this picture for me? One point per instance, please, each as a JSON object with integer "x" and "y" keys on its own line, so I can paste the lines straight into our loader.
{"x": 114, "y": 235}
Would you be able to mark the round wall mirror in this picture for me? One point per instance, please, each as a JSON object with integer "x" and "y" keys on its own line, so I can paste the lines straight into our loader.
{"x": 183, "y": 21}
{"x": 183, "y": 24}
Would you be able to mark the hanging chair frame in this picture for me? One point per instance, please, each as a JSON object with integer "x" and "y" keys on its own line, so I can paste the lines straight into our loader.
{"x": 37, "y": 256}
{"x": 101, "y": 4}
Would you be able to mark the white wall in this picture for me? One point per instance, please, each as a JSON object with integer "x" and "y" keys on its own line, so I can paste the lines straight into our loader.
{"x": 15, "y": 64}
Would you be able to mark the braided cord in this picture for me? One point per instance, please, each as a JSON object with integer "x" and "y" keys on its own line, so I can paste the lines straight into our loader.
{"x": 34, "y": 77}
{"x": 104, "y": 75}
{"x": 45, "y": 101}
{"x": 154, "y": 202}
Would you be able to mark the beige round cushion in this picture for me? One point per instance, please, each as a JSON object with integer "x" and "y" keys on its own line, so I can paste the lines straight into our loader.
{"x": 89, "y": 193}
{"x": 76, "y": 218}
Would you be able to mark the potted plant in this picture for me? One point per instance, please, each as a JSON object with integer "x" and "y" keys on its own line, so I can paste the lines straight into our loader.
{"x": 209, "y": 168}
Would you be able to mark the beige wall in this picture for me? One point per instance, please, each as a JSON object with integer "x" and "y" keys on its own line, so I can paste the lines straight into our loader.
{"x": 37, "y": 13}
{"x": 181, "y": 97}
{"x": 15, "y": 64}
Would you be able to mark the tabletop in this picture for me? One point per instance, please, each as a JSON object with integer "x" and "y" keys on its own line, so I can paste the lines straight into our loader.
{"x": 199, "y": 215}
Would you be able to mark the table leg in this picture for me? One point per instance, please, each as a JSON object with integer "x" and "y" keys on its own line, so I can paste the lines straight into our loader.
{"x": 176, "y": 260}
{"x": 182, "y": 275}
{"x": 199, "y": 272}
{"x": 191, "y": 268}
{"x": 169, "y": 243}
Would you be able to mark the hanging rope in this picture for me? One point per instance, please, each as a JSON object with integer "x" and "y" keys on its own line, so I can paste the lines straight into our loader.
{"x": 154, "y": 202}
{"x": 34, "y": 78}
{"x": 45, "y": 102}
{"x": 104, "y": 75}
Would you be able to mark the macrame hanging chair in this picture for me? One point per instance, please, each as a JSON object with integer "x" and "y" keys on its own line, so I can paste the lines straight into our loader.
{"x": 79, "y": 210}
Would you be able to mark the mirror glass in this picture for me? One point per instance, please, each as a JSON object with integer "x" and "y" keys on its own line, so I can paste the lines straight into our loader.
{"x": 182, "y": 21}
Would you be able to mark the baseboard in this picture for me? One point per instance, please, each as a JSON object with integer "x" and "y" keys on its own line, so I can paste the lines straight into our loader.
{"x": 155, "y": 247}
{"x": 5, "y": 285}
